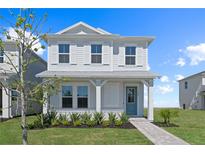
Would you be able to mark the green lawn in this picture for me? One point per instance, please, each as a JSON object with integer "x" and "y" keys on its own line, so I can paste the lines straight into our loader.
{"x": 191, "y": 125}
{"x": 10, "y": 133}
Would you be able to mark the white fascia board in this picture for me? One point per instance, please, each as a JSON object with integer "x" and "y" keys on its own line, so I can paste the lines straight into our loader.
{"x": 77, "y": 24}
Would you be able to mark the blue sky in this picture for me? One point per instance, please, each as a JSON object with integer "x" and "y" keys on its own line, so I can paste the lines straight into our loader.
{"x": 179, "y": 48}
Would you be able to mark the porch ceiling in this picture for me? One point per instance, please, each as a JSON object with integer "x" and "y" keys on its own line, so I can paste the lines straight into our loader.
{"x": 101, "y": 74}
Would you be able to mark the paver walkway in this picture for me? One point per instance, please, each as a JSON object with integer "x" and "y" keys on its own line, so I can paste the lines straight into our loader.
{"x": 156, "y": 134}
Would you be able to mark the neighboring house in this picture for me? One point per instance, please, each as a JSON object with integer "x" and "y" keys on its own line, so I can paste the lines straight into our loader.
{"x": 192, "y": 91}
{"x": 107, "y": 72}
{"x": 9, "y": 104}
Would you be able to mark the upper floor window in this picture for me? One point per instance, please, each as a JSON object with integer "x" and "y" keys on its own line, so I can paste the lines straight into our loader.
{"x": 1, "y": 57}
{"x": 82, "y": 96}
{"x": 186, "y": 85}
{"x": 96, "y": 53}
{"x": 67, "y": 100}
{"x": 63, "y": 50}
{"x": 130, "y": 55}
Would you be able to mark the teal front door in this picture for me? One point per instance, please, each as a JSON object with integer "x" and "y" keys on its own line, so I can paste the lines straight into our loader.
{"x": 131, "y": 100}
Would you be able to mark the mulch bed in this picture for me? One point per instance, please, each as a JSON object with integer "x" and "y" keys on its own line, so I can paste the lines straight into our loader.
{"x": 162, "y": 124}
{"x": 127, "y": 125}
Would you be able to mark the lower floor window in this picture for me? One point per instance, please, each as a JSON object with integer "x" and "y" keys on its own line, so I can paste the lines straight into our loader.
{"x": 14, "y": 95}
{"x": 82, "y": 96}
{"x": 67, "y": 100}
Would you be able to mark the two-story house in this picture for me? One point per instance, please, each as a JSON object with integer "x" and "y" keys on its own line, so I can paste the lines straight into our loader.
{"x": 10, "y": 106}
{"x": 106, "y": 72}
{"x": 192, "y": 91}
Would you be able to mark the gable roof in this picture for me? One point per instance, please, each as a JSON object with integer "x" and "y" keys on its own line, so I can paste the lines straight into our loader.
{"x": 13, "y": 47}
{"x": 200, "y": 73}
{"x": 97, "y": 30}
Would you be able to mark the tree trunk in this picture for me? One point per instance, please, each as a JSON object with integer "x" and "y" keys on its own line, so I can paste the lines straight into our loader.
{"x": 22, "y": 96}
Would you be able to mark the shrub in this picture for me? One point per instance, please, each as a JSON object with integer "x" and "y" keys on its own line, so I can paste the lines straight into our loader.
{"x": 55, "y": 122}
{"x": 74, "y": 117}
{"x": 31, "y": 126}
{"x": 91, "y": 123}
{"x": 106, "y": 123}
{"x": 123, "y": 117}
{"x": 77, "y": 123}
{"x": 112, "y": 117}
{"x": 118, "y": 123}
{"x": 65, "y": 123}
{"x": 51, "y": 116}
{"x": 85, "y": 117}
{"x": 41, "y": 119}
{"x": 62, "y": 118}
{"x": 167, "y": 114}
{"x": 37, "y": 123}
{"x": 98, "y": 117}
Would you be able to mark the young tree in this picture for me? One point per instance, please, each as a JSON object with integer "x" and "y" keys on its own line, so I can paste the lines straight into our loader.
{"x": 28, "y": 35}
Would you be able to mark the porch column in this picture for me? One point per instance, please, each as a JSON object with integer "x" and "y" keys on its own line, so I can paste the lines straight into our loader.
{"x": 98, "y": 86}
{"x": 98, "y": 98}
{"x": 150, "y": 104}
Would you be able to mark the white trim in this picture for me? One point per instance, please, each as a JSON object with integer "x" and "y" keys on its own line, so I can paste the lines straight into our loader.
{"x": 131, "y": 65}
{"x": 74, "y": 95}
{"x": 88, "y": 106}
{"x": 67, "y": 54}
{"x": 83, "y": 24}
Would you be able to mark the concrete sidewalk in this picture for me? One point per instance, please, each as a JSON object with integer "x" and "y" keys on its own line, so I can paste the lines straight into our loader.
{"x": 156, "y": 134}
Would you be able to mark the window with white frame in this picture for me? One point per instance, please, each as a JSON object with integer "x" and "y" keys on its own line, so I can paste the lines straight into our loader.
{"x": 14, "y": 95}
{"x": 67, "y": 97}
{"x": 130, "y": 55}
{"x": 64, "y": 53}
{"x": 96, "y": 53}
{"x": 1, "y": 57}
{"x": 82, "y": 96}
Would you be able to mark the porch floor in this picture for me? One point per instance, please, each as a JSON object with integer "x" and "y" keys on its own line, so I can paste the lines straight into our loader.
{"x": 156, "y": 134}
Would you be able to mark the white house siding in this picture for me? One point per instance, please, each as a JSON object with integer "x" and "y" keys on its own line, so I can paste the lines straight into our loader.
{"x": 56, "y": 100}
{"x": 113, "y": 56}
{"x": 10, "y": 108}
{"x": 186, "y": 95}
{"x": 10, "y": 51}
{"x": 80, "y": 56}
{"x": 113, "y": 97}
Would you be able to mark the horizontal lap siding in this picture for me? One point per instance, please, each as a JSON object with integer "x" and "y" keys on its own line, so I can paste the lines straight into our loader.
{"x": 186, "y": 95}
{"x": 119, "y": 59}
{"x": 56, "y": 100}
{"x": 80, "y": 57}
{"x": 112, "y": 95}
{"x": 113, "y": 56}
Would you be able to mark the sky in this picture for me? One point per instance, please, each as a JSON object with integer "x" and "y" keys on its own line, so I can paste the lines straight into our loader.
{"x": 178, "y": 50}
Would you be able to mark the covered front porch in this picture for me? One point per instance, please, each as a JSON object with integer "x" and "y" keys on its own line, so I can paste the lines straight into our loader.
{"x": 107, "y": 93}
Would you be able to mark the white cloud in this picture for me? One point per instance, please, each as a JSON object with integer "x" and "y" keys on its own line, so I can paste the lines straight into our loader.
{"x": 164, "y": 78}
{"x": 37, "y": 45}
{"x": 181, "y": 62}
{"x": 180, "y": 50}
{"x": 179, "y": 77}
{"x": 196, "y": 53}
{"x": 165, "y": 89}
